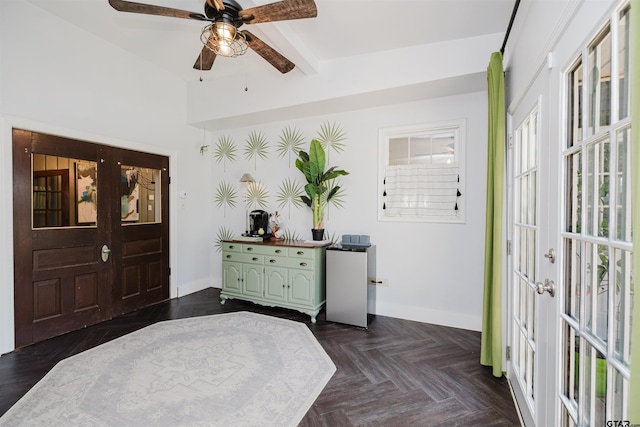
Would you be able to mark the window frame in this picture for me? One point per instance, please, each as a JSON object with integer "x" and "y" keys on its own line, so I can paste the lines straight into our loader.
{"x": 458, "y": 126}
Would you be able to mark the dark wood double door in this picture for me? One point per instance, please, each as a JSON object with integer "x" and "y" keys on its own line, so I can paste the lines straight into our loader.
{"x": 91, "y": 233}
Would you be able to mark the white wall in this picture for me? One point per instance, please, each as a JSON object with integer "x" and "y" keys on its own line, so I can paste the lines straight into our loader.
{"x": 58, "y": 79}
{"x": 435, "y": 271}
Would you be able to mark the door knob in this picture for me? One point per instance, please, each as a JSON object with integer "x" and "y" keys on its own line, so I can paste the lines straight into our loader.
{"x": 105, "y": 253}
{"x": 547, "y": 286}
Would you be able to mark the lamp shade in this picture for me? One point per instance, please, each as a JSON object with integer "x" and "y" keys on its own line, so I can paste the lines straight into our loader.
{"x": 247, "y": 178}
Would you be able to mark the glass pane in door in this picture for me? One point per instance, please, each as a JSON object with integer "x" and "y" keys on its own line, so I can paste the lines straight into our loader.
{"x": 64, "y": 192}
{"x": 140, "y": 195}
{"x": 600, "y": 82}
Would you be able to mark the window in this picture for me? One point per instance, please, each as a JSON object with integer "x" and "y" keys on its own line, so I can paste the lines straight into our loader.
{"x": 420, "y": 173}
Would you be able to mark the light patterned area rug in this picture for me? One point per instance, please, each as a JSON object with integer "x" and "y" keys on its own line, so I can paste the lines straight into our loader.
{"x": 236, "y": 369}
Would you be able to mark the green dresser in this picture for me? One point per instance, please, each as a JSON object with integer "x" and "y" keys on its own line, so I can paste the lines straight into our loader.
{"x": 288, "y": 274}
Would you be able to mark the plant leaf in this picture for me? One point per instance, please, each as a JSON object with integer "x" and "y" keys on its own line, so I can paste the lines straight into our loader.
{"x": 316, "y": 162}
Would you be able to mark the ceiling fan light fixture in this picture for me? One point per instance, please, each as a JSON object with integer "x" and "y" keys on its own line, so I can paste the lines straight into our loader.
{"x": 224, "y": 39}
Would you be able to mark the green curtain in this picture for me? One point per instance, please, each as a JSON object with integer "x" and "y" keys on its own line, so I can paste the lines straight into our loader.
{"x": 634, "y": 407}
{"x": 491, "y": 345}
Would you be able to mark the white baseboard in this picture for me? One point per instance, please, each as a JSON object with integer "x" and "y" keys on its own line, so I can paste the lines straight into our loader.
{"x": 191, "y": 287}
{"x": 436, "y": 317}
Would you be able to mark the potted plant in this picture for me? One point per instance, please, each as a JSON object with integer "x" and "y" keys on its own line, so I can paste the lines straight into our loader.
{"x": 312, "y": 165}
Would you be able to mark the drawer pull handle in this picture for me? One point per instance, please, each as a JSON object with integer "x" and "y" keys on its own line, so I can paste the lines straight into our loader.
{"x": 300, "y": 252}
{"x": 228, "y": 256}
{"x": 303, "y": 264}
{"x": 249, "y": 248}
{"x": 254, "y": 259}
{"x": 278, "y": 251}
{"x": 272, "y": 261}
{"x": 231, "y": 247}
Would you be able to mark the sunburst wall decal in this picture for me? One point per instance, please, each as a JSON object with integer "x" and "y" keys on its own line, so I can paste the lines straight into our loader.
{"x": 225, "y": 151}
{"x": 290, "y": 142}
{"x": 257, "y": 195}
{"x": 225, "y": 196}
{"x": 256, "y": 146}
{"x": 289, "y": 194}
{"x": 224, "y": 233}
{"x": 331, "y": 136}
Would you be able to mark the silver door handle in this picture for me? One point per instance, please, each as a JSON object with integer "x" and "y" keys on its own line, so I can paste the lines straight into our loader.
{"x": 104, "y": 253}
{"x": 547, "y": 286}
{"x": 551, "y": 255}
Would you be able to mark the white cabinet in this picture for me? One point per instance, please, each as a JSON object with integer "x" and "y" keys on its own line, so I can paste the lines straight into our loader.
{"x": 281, "y": 274}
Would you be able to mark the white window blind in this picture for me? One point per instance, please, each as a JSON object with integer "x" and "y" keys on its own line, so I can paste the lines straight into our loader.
{"x": 421, "y": 190}
{"x": 421, "y": 173}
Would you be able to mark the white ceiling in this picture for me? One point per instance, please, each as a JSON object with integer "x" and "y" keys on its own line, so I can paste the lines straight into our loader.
{"x": 343, "y": 28}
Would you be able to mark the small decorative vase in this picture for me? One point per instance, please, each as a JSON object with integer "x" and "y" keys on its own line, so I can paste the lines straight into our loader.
{"x": 317, "y": 233}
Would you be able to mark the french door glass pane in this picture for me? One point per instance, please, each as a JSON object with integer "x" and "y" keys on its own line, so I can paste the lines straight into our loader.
{"x": 594, "y": 387}
{"x": 571, "y": 350}
{"x": 600, "y": 83}
{"x": 572, "y": 278}
{"x": 574, "y": 193}
{"x": 597, "y": 291}
{"x": 620, "y": 391}
{"x": 622, "y": 304}
{"x": 623, "y": 205}
{"x": 597, "y": 188}
{"x": 575, "y": 105}
{"x": 524, "y": 149}
{"x": 623, "y": 64}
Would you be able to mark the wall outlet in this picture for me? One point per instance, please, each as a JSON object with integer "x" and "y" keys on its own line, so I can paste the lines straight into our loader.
{"x": 378, "y": 281}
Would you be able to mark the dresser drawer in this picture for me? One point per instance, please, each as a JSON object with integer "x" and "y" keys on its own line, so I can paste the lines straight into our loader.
{"x": 306, "y": 253}
{"x": 240, "y": 257}
{"x": 265, "y": 250}
{"x": 299, "y": 263}
{"x": 231, "y": 247}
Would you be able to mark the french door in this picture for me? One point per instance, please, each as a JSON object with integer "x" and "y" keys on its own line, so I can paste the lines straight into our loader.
{"x": 595, "y": 317}
{"x": 571, "y": 288}
{"x": 534, "y": 270}
{"x": 90, "y": 233}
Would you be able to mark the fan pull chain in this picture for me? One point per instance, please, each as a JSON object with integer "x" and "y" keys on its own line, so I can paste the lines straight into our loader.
{"x": 246, "y": 85}
{"x": 201, "y": 79}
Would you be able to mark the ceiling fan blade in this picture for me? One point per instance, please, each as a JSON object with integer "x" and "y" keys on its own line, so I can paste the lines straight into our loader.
{"x": 216, "y": 4}
{"x": 280, "y": 11}
{"x": 149, "y": 9}
{"x": 268, "y": 53}
{"x": 205, "y": 59}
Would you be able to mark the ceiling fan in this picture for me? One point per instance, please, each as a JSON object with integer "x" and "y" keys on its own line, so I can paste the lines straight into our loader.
{"x": 221, "y": 36}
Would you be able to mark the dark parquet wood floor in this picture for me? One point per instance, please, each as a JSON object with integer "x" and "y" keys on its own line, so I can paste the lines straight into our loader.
{"x": 396, "y": 373}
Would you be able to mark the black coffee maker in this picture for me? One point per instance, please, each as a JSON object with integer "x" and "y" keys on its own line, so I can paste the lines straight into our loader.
{"x": 259, "y": 220}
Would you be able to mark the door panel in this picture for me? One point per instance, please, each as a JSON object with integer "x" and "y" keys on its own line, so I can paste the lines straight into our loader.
{"x": 60, "y": 285}
{"x": 62, "y": 282}
{"x": 140, "y": 237}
